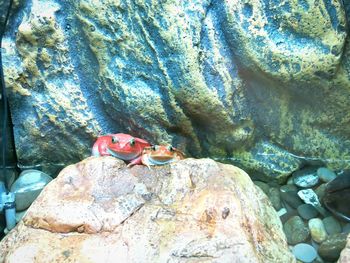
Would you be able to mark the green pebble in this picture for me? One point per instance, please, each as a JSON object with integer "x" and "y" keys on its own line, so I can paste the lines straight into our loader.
{"x": 291, "y": 198}
{"x": 274, "y": 196}
{"x": 307, "y": 211}
{"x": 288, "y": 188}
{"x": 320, "y": 191}
{"x": 306, "y": 177}
{"x": 330, "y": 248}
{"x": 346, "y": 228}
{"x": 296, "y": 230}
{"x": 263, "y": 186}
{"x": 325, "y": 174}
{"x": 332, "y": 225}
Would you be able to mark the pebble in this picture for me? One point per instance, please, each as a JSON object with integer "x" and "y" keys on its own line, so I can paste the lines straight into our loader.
{"x": 290, "y": 181}
{"x": 274, "y": 196}
{"x": 273, "y": 184}
{"x": 306, "y": 177}
{"x": 296, "y": 230}
{"x": 326, "y": 234}
{"x": 320, "y": 191}
{"x": 314, "y": 244}
{"x": 324, "y": 212}
{"x": 263, "y": 186}
{"x": 288, "y": 187}
{"x": 309, "y": 197}
{"x": 330, "y": 249}
{"x": 332, "y": 225}
{"x": 28, "y": 186}
{"x": 317, "y": 230}
{"x": 304, "y": 252}
{"x": 318, "y": 260}
{"x": 346, "y": 228}
{"x": 288, "y": 207}
{"x": 288, "y": 215}
{"x": 307, "y": 211}
{"x": 282, "y": 212}
{"x": 291, "y": 198}
{"x": 325, "y": 174}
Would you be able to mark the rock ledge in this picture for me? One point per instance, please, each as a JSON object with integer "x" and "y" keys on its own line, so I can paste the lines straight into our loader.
{"x": 191, "y": 211}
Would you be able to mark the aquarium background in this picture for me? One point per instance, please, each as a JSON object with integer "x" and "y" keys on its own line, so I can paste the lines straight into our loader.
{"x": 260, "y": 84}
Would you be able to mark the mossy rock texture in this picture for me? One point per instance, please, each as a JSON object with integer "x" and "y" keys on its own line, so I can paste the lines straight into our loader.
{"x": 4, "y": 5}
{"x": 261, "y": 84}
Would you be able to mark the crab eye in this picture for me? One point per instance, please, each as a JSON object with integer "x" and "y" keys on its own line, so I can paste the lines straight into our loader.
{"x": 114, "y": 139}
{"x": 170, "y": 148}
{"x": 132, "y": 142}
{"x": 153, "y": 147}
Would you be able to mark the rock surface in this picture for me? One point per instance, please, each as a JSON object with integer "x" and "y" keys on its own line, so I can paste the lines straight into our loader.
{"x": 345, "y": 254}
{"x": 227, "y": 79}
{"x": 28, "y": 186}
{"x": 306, "y": 177}
{"x": 191, "y": 211}
{"x": 332, "y": 247}
{"x": 332, "y": 225}
{"x": 325, "y": 174}
{"x": 296, "y": 230}
{"x": 307, "y": 211}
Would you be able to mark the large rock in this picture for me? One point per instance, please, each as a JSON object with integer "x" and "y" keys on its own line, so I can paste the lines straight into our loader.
{"x": 345, "y": 254}
{"x": 263, "y": 84}
{"x": 191, "y": 211}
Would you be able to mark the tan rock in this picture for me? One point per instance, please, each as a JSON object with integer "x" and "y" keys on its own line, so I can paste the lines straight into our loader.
{"x": 345, "y": 254}
{"x": 191, "y": 211}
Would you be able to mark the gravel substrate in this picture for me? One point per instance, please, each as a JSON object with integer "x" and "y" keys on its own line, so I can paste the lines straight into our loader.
{"x": 313, "y": 233}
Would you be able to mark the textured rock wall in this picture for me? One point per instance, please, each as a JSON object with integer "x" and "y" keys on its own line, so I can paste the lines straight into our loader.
{"x": 263, "y": 84}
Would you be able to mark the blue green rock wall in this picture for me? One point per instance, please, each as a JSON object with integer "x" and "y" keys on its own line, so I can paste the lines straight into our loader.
{"x": 263, "y": 84}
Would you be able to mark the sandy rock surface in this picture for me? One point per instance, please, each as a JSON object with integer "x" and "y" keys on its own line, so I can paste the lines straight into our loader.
{"x": 195, "y": 210}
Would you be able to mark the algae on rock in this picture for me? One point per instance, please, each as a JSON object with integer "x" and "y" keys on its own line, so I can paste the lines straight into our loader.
{"x": 261, "y": 84}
